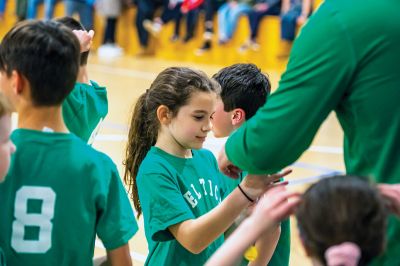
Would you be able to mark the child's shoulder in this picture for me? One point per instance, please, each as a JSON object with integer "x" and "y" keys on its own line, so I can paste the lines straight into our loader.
{"x": 204, "y": 154}
{"x": 67, "y": 147}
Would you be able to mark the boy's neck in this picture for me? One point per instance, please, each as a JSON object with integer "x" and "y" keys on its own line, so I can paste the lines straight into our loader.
{"x": 37, "y": 118}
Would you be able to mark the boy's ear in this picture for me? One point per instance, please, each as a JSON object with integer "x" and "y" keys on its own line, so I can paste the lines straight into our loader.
{"x": 164, "y": 114}
{"x": 18, "y": 82}
{"x": 238, "y": 116}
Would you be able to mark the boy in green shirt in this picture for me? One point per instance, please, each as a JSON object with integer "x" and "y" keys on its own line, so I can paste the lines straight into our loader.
{"x": 244, "y": 89}
{"x": 59, "y": 192}
{"x": 87, "y": 105}
{"x": 6, "y": 147}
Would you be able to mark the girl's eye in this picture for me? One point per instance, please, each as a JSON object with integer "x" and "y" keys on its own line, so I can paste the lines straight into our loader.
{"x": 198, "y": 118}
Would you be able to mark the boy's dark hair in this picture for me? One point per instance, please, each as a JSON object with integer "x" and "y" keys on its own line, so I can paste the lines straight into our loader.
{"x": 173, "y": 88}
{"x": 342, "y": 209}
{"x": 47, "y": 55}
{"x": 73, "y": 24}
{"x": 243, "y": 86}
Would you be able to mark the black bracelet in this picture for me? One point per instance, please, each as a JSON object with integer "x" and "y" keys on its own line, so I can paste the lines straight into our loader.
{"x": 244, "y": 193}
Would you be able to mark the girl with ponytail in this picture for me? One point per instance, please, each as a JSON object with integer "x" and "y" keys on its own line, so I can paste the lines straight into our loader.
{"x": 173, "y": 181}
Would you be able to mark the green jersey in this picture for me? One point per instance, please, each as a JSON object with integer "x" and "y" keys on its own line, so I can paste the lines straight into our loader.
{"x": 84, "y": 108}
{"x": 2, "y": 258}
{"x": 173, "y": 190}
{"x": 58, "y": 194}
{"x": 344, "y": 62}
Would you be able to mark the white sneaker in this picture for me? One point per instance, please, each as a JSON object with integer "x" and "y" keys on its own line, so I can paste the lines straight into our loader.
{"x": 109, "y": 51}
{"x": 153, "y": 28}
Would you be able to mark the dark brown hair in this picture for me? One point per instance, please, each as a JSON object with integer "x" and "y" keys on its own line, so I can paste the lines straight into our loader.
{"x": 74, "y": 24}
{"x": 243, "y": 86}
{"x": 46, "y": 53}
{"x": 342, "y": 209}
{"x": 173, "y": 88}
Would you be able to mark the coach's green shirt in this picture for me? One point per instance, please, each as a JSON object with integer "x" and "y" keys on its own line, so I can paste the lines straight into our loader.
{"x": 173, "y": 190}
{"x": 58, "y": 195}
{"x": 84, "y": 108}
{"x": 345, "y": 59}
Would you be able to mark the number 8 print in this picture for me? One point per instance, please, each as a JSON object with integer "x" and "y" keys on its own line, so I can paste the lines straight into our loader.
{"x": 41, "y": 220}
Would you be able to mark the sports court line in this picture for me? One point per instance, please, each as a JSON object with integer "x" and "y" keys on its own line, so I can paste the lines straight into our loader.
{"x": 312, "y": 179}
{"x": 127, "y": 72}
{"x": 326, "y": 149}
{"x": 134, "y": 255}
{"x": 319, "y": 168}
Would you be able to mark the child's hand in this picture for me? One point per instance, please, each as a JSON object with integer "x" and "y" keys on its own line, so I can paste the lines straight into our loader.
{"x": 85, "y": 39}
{"x": 274, "y": 206}
{"x": 301, "y": 20}
{"x": 392, "y": 194}
{"x": 233, "y": 4}
{"x": 262, "y": 7}
{"x": 256, "y": 185}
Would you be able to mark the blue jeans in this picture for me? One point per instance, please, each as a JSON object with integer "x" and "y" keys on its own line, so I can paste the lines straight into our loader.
{"x": 84, "y": 10}
{"x": 256, "y": 16}
{"x": 145, "y": 10}
{"x": 48, "y": 8}
{"x": 228, "y": 18}
{"x": 289, "y": 22}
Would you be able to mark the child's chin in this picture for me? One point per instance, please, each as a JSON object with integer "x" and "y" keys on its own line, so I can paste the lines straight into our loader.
{"x": 197, "y": 146}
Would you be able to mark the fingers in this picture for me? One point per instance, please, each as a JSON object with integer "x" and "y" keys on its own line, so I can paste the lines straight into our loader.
{"x": 277, "y": 204}
{"x": 85, "y": 39}
{"x": 91, "y": 34}
{"x": 392, "y": 194}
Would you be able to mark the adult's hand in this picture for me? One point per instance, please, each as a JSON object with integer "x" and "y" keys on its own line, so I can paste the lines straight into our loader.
{"x": 392, "y": 194}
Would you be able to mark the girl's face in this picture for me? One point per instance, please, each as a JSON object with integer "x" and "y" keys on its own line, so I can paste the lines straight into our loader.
{"x": 189, "y": 128}
{"x": 6, "y": 146}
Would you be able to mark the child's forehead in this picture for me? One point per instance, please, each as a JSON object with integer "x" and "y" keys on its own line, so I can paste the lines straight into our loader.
{"x": 201, "y": 100}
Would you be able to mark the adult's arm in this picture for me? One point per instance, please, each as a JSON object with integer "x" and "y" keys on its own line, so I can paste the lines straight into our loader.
{"x": 318, "y": 75}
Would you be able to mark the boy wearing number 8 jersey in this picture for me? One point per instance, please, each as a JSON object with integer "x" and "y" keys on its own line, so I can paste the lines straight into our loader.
{"x": 59, "y": 192}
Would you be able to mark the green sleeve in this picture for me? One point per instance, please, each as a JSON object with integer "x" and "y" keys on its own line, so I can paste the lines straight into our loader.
{"x": 116, "y": 222}
{"x": 84, "y": 108}
{"x": 319, "y": 71}
{"x": 162, "y": 204}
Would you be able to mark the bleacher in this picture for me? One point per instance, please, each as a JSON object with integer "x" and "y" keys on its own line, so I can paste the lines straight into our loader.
{"x": 266, "y": 57}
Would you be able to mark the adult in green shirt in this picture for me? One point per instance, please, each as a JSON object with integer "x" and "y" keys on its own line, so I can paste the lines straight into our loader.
{"x": 345, "y": 60}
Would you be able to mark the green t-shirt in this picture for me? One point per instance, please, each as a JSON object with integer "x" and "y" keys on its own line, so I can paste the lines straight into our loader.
{"x": 2, "y": 258}
{"x": 282, "y": 251}
{"x": 173, "y": 190}
{"x": 58, "y": 194}
{"x": 84, "y": 108}
{"x": 340, "y": 62}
